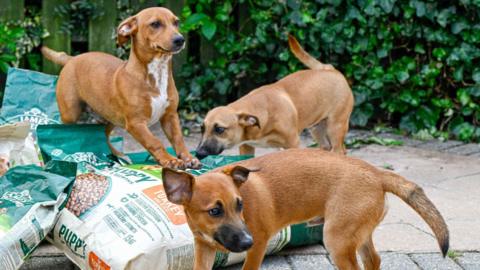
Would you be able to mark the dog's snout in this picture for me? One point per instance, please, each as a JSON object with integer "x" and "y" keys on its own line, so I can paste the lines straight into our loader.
{"x": 201, "y": 153}
{"x": 178, "y": 41}
{"x": 245, "y": 242}
{"x": 233, "y": 238}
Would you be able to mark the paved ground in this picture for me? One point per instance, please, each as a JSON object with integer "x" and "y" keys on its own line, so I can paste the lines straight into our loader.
{"x": 448, "y": 171}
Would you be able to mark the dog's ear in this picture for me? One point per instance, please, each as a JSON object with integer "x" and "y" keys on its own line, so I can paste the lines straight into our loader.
{"x": 126, "y": 29}
{"x": 178, "y": 186}
{"x": 248, "y": 120}
{"x": 239, "y": 174}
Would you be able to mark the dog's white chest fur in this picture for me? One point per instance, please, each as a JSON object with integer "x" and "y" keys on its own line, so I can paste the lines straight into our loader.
{"x": 158, "y": 68}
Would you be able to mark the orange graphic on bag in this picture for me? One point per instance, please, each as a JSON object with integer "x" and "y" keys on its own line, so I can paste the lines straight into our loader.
{"x": 96, "y": 263}
{"x": 174, "y": 212}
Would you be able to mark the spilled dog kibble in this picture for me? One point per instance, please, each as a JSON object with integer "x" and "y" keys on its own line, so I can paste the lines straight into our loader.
{"x": 87, "y": 191}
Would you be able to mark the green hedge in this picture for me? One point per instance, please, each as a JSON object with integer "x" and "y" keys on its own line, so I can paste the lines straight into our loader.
{"x": 412, "y": 64}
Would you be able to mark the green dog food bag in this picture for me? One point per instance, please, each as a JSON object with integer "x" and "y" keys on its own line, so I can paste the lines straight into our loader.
{"x": 75, "y": 143}
{"x": 30, "y": 97}
{"x": 30, "y": 200}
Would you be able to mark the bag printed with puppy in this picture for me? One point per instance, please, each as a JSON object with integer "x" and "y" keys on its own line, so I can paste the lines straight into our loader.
{"x": 119, "y": 218}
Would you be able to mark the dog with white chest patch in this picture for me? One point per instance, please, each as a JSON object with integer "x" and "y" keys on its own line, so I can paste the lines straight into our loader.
{"x": 132, "y": 94}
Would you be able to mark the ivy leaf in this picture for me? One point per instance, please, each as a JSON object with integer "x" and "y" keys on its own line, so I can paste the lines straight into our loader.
{"x": 208, "y": 29}
{"x": 439, "y": 53}
{"x": 464, "y": 131}
{"x": 476, "y": 75}
{"x": 195, "y": 19}
{"x": 293, "y": 4}
{"x": 458, "y": 27}
{"x": 4, "y": 67}
{"x": 402, "y": 76}
{"x": 361, "y": 115}
{"x": 387, "y": 5}
{"x": 419, "y": 48}
{"x": 419, "y": 8}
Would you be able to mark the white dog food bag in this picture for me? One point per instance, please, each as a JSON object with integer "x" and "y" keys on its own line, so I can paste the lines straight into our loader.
{"x": 120, "y": 218}
{"x": 17, "y": 147}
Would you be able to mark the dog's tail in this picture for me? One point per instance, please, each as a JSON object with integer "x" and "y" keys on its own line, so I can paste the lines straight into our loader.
{"x": 414, "y": 196}
{"x": 60, "y": 58}
{"x": 304, "y": 57}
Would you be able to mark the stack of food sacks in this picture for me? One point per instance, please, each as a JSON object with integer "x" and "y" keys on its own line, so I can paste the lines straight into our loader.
{"x": 117, "y": 216}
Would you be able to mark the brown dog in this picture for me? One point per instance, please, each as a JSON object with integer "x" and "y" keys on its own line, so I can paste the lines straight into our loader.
{"x": 349, "y": 194}
{"x": 275, "y": 114}
{"x": 132, "y": 94}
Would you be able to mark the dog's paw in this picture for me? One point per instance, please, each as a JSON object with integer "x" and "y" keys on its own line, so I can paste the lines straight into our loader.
{"x": 173, "y": 163}
{"x": 191, "y": 162}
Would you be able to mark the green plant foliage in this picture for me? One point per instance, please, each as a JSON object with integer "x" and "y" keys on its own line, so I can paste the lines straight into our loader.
{"x": 411, "y": 63}
{"x": 76, "y": 16}
{"x": 18, "y": 39}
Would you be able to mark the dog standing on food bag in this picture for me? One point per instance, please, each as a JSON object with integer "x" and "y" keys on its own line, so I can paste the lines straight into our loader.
{"x": 274, "y": 115}
{"x": 239, "y": 207}
{"x": 132, "y": 94}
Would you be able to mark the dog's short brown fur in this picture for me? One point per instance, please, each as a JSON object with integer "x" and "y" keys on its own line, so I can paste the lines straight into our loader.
{"x": 291, "y": 187}
{"x": 275, "y": 114}
{"x": 132, "y": 94}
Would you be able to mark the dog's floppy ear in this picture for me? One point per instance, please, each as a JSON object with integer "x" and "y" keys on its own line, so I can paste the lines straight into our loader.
{"x": 239, "y": 174}
{"x": 248, "y": 120}
{"x": 126, "y": 29}
{"x": 178, "y": 185}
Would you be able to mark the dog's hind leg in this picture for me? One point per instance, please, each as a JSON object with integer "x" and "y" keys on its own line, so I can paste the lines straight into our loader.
{"x": 69, "y": 103}
{"x": 336, "y": 132}
{"x": 319, "y": 134}
{"x": 340, "y": 243}
{"x": 370, "y": 257}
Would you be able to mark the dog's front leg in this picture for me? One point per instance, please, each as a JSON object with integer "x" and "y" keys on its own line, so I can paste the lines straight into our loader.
{"x": 141, "y": 132}
{"x": 204, "y": 256}
{"x": 255, "y": 255}
{"x": 171, "y": 126}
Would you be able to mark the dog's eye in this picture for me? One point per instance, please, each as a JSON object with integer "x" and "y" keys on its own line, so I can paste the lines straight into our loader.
{"x": 176, "y": 23}
{"x": 239, "y": 205}
{"x": 219, "y": 130}
{"x": 215, "y": 212}
{"x": 156, "y": 24}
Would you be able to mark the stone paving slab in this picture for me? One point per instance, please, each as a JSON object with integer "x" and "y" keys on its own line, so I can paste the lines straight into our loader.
{"x": 434, "y": 261}
{"x": 302, "y": 262}
{"x": 437, "y": 145}
{"x": 397, "y": 261}
{"x": 465, "y": 149}
{"x": 469, "y": 261}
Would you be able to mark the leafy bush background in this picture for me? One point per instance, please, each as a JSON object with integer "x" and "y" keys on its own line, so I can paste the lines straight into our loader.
{"x": 412, "y": 64}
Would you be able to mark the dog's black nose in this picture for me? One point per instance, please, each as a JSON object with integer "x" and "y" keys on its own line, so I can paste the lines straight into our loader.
{"x": 178, "y": 41}
{"x": 201, "y": 153}
{"x": 246, "y": 242}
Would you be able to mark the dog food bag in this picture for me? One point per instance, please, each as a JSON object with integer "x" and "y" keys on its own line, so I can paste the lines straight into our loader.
{"x": 120, "y": 218}
{"x": 17, "y": 147}
{"x": 89, "y": 144}
{"x": 30, "y": 96}
{"x": 30, "y": 199}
